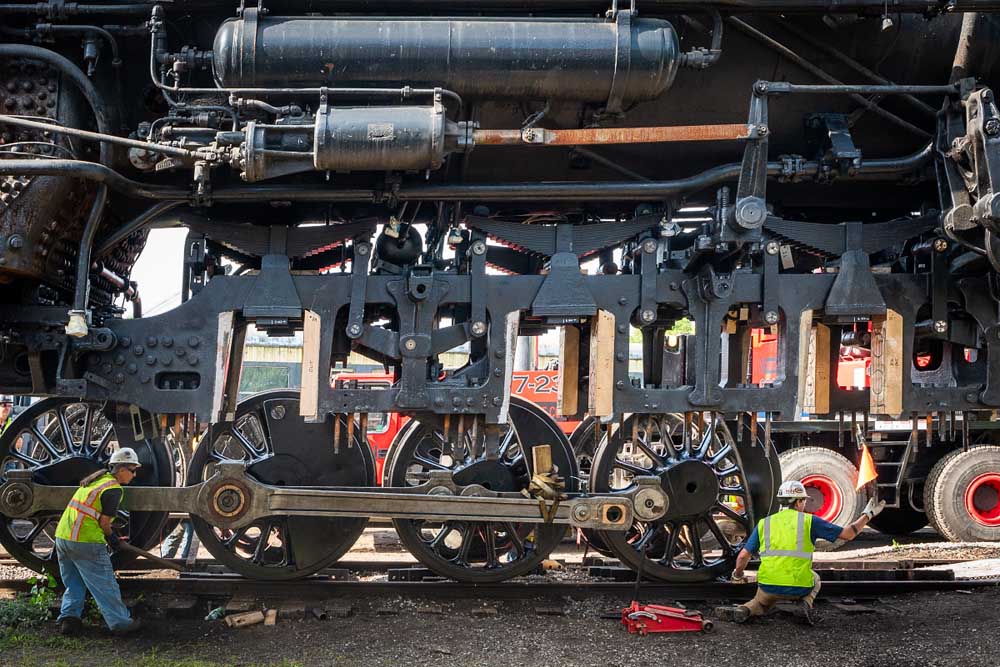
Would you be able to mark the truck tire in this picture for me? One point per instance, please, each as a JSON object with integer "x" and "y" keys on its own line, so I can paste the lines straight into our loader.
{"x": 901, "y": 521}
{"x": 829, "y": 479}
{"x": 962, "y": 495}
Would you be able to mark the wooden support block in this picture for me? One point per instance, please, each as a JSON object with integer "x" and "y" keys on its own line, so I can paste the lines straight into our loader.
{"x": 243, "y": 620}
{"x": 541, "y": 458}
{"x": 568, "y": 399}
{"x": 817, "y": 381}
{"x": 602, "y": 364}
{"x": 227, "y": 368}
{"x": 886, "y": 397}
{"x": 270, "y": 617}
{"x": 309, "y": 394}
{"x": 802, "y": 365}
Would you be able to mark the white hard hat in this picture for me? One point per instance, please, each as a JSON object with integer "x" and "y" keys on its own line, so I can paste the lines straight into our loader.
{"x": 125, "y": 455}
{"x": 792, "y": 490}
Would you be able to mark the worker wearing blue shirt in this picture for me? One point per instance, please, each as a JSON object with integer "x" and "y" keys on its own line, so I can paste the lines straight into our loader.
{"x": 786, "y": 541}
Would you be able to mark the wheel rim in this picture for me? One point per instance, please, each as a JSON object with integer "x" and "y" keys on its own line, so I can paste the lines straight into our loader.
{"x": 62, "y": 441}
{"x": 280, "y": 449}
{"x": 481, "y": 551}
{"x": 713, "y": 484}
{"x": 825, "y": 498}
{"x": 982, "y": 499}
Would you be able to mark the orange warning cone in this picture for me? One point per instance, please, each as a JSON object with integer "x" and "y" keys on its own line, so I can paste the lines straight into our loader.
{"x": 866, "y": 470}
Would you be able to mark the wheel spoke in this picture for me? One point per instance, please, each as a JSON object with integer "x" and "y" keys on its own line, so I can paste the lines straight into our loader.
{"x": 648, "y": 451}
{"x": 462, "y": 557}
{"x": 231, "y": 541}
{"x": 447, "y": 529}
{"x": 647, "y": 537}
{"x": 632, "y": 468}
{"x": 88, "y": 431}
{"x": 733, "y": 515}
{"x": 34, "y": 463}
{"x": 428, "y": 463}
{"x": 39, "y": 526}
{"x": 253, "y": 453}
{"x": 102, "y": 444}
{"x": 713, "y": 526}
{"x": 515, "y": 539}
{"x": 67, "y": 432}
{"x": 670, "y": 549}
{"x": 717, "y": 457}
{"x": 508, "y": 440}
{"x": 46, "y": 443}
{"x": 490, "y": 538}
{"x": 698, "y": 558}
{"x": 261, "y": 547}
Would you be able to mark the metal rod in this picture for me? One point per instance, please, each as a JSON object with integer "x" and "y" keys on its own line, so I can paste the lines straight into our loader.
{"x": 836, "y": 86}
{"x": 610, "y": 135}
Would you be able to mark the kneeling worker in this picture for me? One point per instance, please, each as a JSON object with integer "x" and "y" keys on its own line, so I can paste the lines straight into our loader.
{"x": 786, "y": 541}
{"x": 82, "y": 538}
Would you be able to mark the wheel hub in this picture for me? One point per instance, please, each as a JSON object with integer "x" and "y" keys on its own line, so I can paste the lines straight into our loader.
{"x": 982, "y": 499}
{"x": 691, "y": 486}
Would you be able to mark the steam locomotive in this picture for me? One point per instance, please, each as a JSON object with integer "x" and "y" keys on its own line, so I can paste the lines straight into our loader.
{"x": 398, "y": 179}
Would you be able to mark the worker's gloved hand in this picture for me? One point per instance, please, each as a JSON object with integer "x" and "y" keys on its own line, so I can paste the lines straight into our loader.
{"x": 873, "y": 508}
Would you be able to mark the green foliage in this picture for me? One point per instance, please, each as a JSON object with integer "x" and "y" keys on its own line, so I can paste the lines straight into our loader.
{"x": 32, "y": 608}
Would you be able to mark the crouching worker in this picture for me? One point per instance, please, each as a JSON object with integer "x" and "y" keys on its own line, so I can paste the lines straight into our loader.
{"x": 82, "y": 539}
{"x": 786, "y": 541}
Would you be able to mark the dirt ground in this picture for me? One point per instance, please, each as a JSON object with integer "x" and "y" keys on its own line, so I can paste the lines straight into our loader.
{"x": 921, "y": 629}
{"x": 926, "y": 630}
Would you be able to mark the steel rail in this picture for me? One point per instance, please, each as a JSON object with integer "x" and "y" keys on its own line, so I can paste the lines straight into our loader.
{"x": 317, "y": 588}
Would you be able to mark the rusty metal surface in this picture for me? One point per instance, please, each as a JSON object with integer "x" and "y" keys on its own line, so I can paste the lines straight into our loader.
{"x": 611, "y": 135}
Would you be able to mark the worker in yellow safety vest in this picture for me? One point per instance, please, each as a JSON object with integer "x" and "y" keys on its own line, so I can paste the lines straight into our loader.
{"x": 83, "y": 536}
{"x": 786, "y": 541}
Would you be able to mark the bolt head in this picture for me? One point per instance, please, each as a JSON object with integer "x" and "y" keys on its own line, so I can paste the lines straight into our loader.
{"x": 16, "y": 242}
{"x": 992, "y": 126}
{"x": 647, "y": 315}
{"x": 940, "y": 245}
{"x": 771, "y": 317}
{"x": 478, "y": 248}
{"x": 940, "y": 326}
{"x": 410, "y": 345}
{"x": 278, "y": 412}
{"x": 362, "y": 249}
{"x": 354, "y": 329}
{"x": 649, "y": 246}
{"x": 772, "y": 248}
{"x": 478, "y": 328}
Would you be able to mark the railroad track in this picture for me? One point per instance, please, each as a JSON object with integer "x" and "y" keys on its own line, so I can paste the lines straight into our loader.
{"x": 862, "y": 579}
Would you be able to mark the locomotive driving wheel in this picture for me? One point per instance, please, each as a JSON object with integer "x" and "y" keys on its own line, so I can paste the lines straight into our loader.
{"x": 717, "y": 490}
{"x": 281, "y": 449}
{"x": 481, "y": 552}
{"x": 64, "y": 440}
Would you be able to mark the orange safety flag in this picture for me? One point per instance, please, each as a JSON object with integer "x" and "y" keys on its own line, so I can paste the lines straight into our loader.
{"x": 866, "y": 470}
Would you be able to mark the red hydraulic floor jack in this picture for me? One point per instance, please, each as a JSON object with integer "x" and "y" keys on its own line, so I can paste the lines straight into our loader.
{"x": 643, "y": 619}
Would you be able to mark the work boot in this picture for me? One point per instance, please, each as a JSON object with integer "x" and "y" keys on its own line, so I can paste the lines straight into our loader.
{"x": 809, "y": 613}
{"x": 70, "y": 626}
{"x": 737, "y": 614}
{"x": 131, "y": 628}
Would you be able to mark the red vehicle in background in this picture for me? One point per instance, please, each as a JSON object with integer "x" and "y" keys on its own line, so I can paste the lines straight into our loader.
{"x": 539, "y": 387}
{"x": 853, "y": 371}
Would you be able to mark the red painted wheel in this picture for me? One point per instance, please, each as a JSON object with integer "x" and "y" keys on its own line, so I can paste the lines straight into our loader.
{"x": 982, "y": 499}
{"x": 829, "y": 479}
{"x": 962, "y": 495}
{"x": 825, "y": 498}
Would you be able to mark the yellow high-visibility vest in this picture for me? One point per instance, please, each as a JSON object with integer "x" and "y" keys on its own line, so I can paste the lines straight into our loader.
{"x": 786, "y": 550}
{"x": 79, "y": 522}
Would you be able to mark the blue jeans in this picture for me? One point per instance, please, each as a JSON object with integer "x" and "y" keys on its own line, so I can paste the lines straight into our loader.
{"x": 86, "y": 566}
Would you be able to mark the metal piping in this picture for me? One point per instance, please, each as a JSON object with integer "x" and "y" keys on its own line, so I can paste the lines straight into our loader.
{"x": 606, "y": 191}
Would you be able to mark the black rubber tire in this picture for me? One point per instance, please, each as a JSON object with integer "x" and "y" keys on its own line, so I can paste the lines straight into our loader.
{"x": 929, "y": 484}
{"x": 945, "y": 490}
{"x": 899, "y": 522}
{"x": 799, "y": 463}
